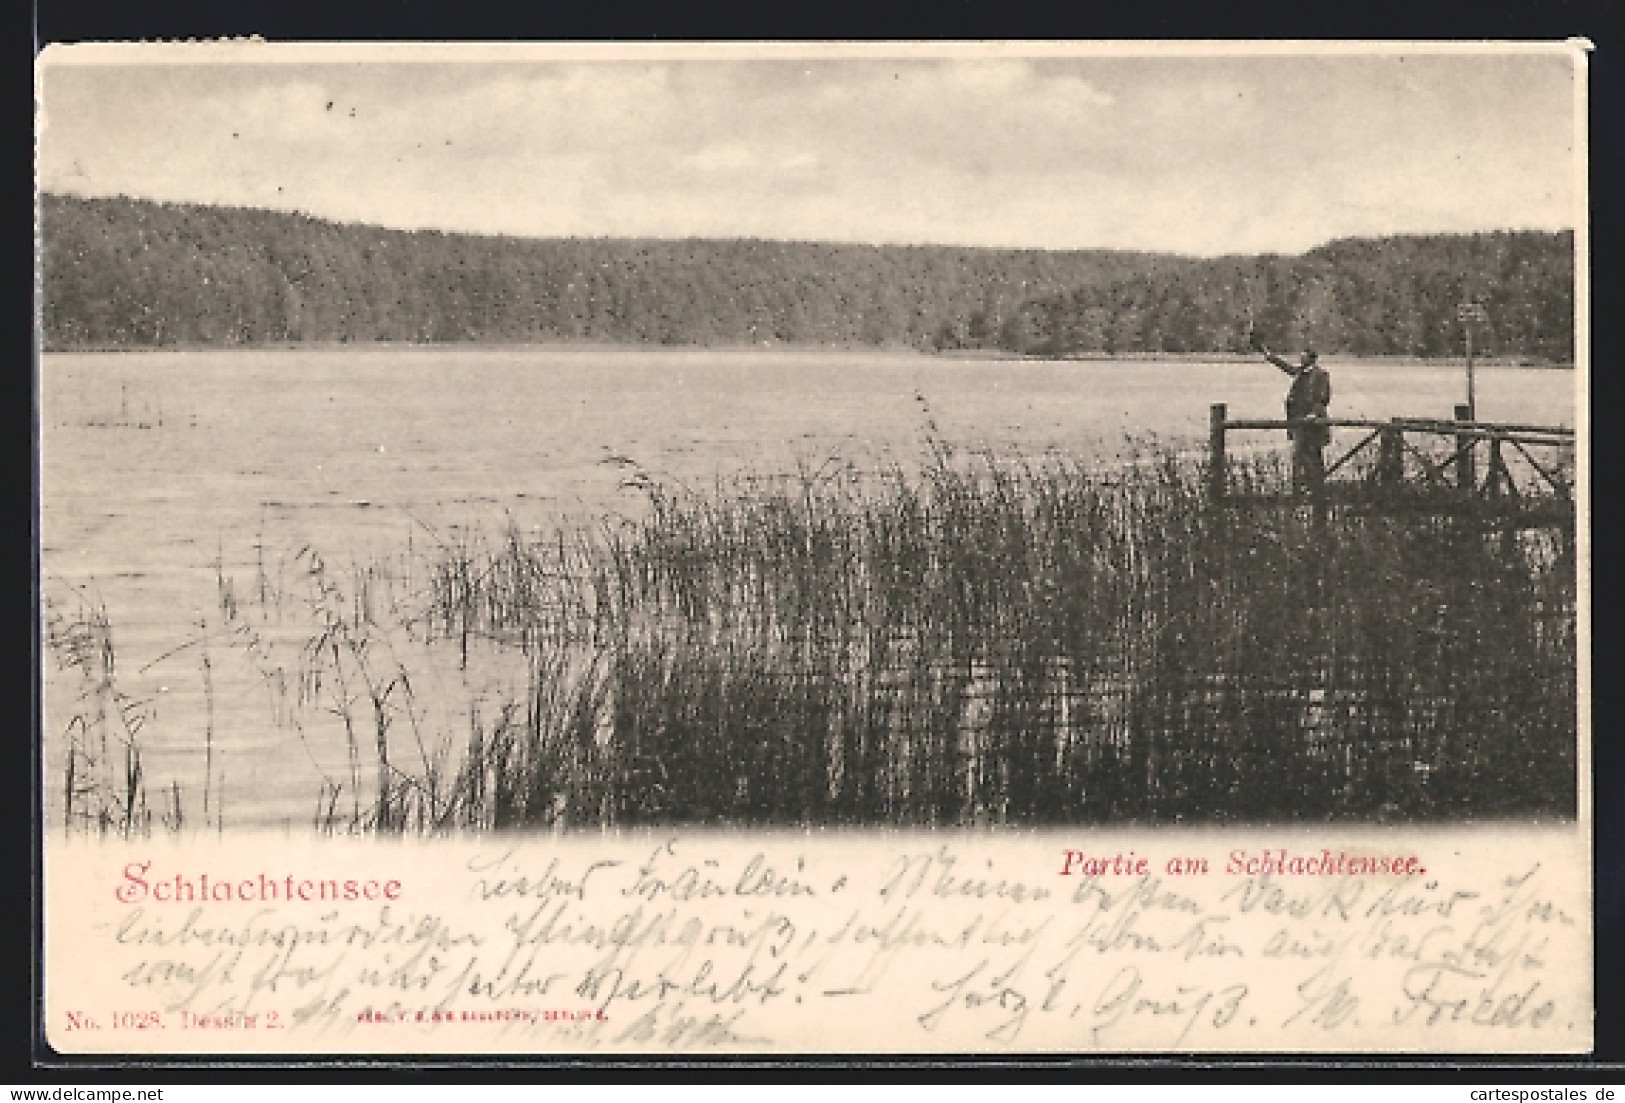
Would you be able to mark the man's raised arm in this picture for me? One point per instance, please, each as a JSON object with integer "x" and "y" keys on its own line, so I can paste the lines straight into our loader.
{"x": 1284, "y": 365}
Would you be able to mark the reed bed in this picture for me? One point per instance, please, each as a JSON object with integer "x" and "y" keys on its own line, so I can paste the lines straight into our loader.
{"x": 994, "y": 640}
{"x": 104, "y": 785}
{"x": 982, "y": 639}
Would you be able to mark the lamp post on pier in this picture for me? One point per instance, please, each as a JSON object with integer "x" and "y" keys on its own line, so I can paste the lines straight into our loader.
{"x": 1468, "y": 313}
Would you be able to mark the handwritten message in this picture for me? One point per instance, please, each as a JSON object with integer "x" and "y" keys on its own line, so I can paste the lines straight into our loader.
{"x": 783, "y": 943}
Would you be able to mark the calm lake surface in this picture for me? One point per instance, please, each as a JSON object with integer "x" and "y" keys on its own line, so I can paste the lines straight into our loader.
{"x": 158, "y": 466}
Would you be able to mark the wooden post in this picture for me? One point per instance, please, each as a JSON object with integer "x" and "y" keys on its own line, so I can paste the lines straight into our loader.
{"x": 1391, "y": 455}
{"x": 1495, "y": 474}
{"x": 1217, "y": 472}
{"x": 1466, "y": 478}
{"x": 1497, "y": 471}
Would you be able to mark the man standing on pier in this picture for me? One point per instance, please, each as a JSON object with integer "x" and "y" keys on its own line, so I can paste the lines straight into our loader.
{"x": 1308, "y": 397}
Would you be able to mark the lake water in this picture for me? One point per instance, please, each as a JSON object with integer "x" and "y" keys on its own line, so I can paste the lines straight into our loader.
{"x": 158, "y": 465}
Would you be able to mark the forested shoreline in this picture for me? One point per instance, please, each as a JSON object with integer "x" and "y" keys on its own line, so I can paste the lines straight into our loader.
{"x": 127, "y": 273}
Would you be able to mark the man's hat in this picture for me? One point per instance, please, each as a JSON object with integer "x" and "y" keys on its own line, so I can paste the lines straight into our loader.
{"x": 1311, "y": 354}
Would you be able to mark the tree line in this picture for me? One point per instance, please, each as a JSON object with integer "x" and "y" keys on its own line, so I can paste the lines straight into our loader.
{"x": 1366, "y": 296}
{"x": 131, "y": 273}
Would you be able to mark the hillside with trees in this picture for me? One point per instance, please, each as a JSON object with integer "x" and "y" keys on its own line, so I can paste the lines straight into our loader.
{"x": 1374, "y": 296}
{"x": 130, "y": 273}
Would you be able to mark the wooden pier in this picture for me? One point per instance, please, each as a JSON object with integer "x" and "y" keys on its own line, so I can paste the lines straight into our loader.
{"x": 1507, "y": 476}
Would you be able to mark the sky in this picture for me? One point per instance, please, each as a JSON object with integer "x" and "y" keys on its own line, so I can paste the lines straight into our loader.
{"x": 1199, "y": 154}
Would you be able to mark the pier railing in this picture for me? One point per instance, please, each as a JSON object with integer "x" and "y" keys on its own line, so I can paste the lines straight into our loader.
{"x": 1513, "y": 472}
